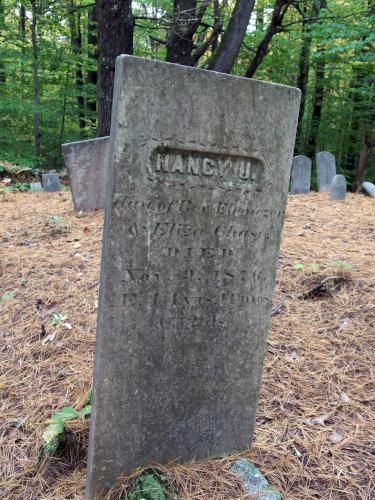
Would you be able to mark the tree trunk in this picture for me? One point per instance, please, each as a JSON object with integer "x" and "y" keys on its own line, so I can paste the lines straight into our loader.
{"x": 304, "y": 68}
{"x": 230, "y": 44}
{"x": 363, "y": 159}
{"x": 187, "y": 14}
{"x": 279, "y": 11}
{"x": 92, "y": 75}
{"x": 318, "y": 97}
{"x": 180, "y": 41}
{"x": 2, "y": 26}
{"x": 362, "y": 112}
{"x": 37, "y": 134}
{"x": 76, "y": 44}
{"x": 115, "y": 29}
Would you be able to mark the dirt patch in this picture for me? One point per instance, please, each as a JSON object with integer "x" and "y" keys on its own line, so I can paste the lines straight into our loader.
{"x": 315, "y": 424}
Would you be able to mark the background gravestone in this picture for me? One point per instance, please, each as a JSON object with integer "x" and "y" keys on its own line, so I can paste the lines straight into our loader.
{"x": 300, "y": 179}
{"x": 86, "y": 162}
{"x": 369, "y": 188}
{"x": 35, "y": 186}
{"x": 195, "y": 203}
{"x": 338, "y": 188}
{"x": 325, "y": 170}
{"x": 51, "y": 182}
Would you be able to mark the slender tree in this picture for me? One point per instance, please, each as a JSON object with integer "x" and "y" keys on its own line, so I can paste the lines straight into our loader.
{"x": 34, "y": 22}
{"x": 227, "y": 51}
{"x": 115, "y": 30}
{"x": 76, "y": 44}
{"x": 278, "y": 13}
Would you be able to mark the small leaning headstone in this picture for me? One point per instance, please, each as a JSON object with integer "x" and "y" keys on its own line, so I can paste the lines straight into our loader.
{"x": 325, "y": 170}
{"x": 194, "y": 210}
{"x": 35, "y": 186}
{"x": 338, "y": 188}
{"x": 369, "y": 188}
{"x": 86, "y": 162}
{"x": 51, "y": 182}
{"x": 300, "y": 179}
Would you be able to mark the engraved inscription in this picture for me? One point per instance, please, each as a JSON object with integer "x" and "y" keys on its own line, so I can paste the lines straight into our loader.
{"x": 200, "y": 168}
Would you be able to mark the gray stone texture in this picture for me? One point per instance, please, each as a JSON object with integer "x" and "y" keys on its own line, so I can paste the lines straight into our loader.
{"x": 255, "y": 484}
{"x": 51, "y": 182}
{"x": 338, "y": 188}
{"x": 198, "y": 179}
{"x": 369, "y": 188}
{"x": 86, "y": 162}
{"x": 300, "y": 179}
{"x": 325, "y": 170}
{"x": 35, "y": 186}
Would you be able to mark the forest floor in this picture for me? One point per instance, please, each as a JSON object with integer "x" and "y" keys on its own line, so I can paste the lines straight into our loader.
{"x": 315, "y": 429}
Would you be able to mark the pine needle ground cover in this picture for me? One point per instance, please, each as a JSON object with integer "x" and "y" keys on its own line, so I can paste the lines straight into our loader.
{"x": 315, "y": 429}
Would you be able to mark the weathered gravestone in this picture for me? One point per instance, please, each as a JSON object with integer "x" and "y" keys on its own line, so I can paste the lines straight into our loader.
{"x": 300, "y": 178}
{"x": 369, "y": 188}
{"x": 86, "y": 162}
{"x": 325, "y": 170}
{"x": 195, "y": 202}
{"x": 35, "y": 186}
{"x": 51, "y": 182}
{"x": 338, "y": 187}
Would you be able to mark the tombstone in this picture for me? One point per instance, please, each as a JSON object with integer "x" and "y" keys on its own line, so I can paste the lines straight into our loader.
{"x": 369, "y": 188}
{"x": 338, "y": 188}
{"x": 325, "y": 169}
{"x": 300, "y": 178}
{"x": 35, "y": 186}
{"x": 51, "y": 182}
{"x": 86, "y": 162}
{"x": 194, "y": 210}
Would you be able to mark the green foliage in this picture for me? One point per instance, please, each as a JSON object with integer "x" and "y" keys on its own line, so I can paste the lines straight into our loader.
{"x": 54, "y": 437}
{"x": 321, "y": 265}
{"x": 151, "y": 485}
{"x": 7, "y": 296}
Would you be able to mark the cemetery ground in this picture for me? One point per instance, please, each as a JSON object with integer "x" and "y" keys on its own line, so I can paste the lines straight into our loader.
{"x": 315, "y": 432}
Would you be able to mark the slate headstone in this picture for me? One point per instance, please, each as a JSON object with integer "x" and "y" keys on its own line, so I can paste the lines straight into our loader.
{"x": 369, "y": 188}
{"x": 338, "y": 188}
{"x": 300, "y": 179}
{"x": 86, "y": 162}
{"x": 51, "y": 182}
{"x": 35, "y": 186}
{"x": 325, "y": 169}
{"x": 195, "y": 203}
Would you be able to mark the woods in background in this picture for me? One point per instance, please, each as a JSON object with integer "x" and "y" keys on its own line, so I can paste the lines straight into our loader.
{"x": 57, "y": 66}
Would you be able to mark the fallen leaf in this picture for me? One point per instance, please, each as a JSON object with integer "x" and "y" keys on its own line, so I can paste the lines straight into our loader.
{"x": 320, "y": 420}
{"x": 49, "y": 338}
{"x": 345, "y": 398}
{"x": 77, "y": 245}
{"x": 335, "y": 437}
{"x": 68, "y": 326}
{"x": 292, "y": 356}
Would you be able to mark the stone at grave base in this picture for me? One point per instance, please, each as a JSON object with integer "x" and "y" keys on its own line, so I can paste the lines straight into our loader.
{"x": 51, "y": 182}
{"x": 338, "y": 188}
{"x": 253, "y": 482}
{"x": 369, "y": 188}
{"x": 35, "y": 186}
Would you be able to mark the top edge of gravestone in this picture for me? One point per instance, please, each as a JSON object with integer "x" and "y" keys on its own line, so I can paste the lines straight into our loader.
{"x": 74, "y": 143}
{"x": 128, "y": 59}
{"x": 325, "y": 153}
